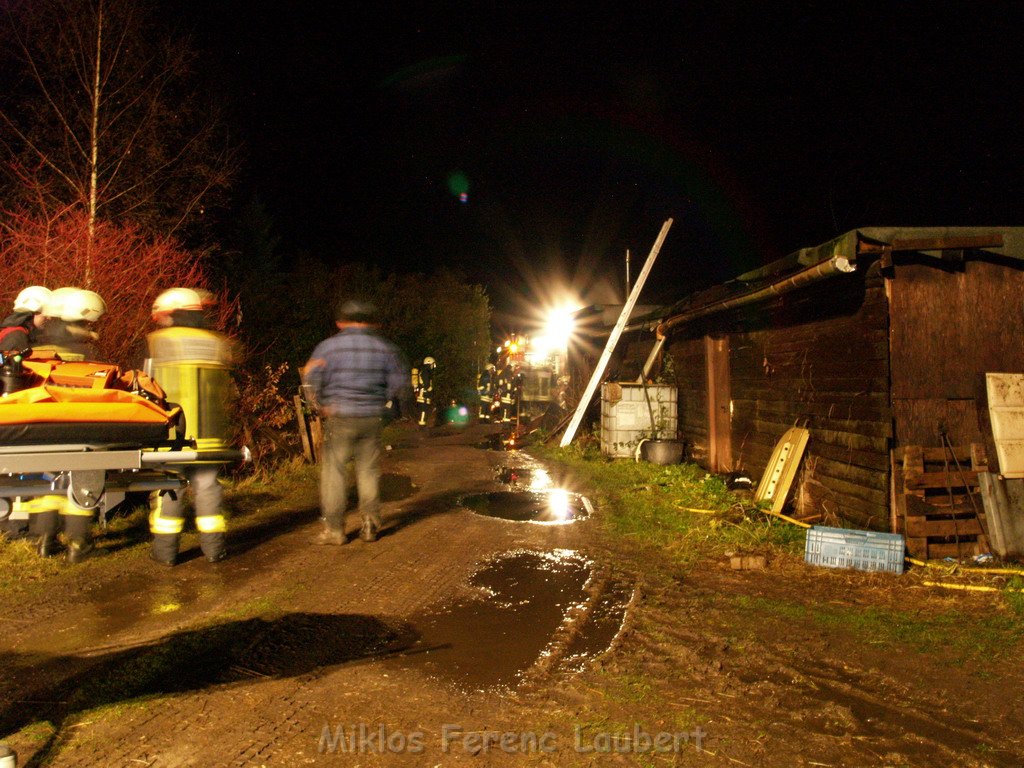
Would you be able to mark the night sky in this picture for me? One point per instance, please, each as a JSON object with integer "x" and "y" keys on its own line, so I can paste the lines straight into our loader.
{"x": 759, "y": 128}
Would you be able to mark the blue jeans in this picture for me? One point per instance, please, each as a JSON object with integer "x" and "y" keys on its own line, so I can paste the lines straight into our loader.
{"x": 348, "y": 437}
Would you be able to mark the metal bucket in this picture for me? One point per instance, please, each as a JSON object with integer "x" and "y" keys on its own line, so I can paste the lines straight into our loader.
{"x": 662, "y": 451}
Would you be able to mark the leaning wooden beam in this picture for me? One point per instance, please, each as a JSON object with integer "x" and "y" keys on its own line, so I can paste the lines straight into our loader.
{"x": 613, "y": 339}
{"x": 655, "y": 351}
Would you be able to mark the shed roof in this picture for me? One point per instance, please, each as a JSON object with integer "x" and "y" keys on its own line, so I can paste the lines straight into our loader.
{"x": 838, "y": 256}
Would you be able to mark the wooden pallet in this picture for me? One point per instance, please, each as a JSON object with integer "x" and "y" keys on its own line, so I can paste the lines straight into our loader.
{"x": 940, "y": 511}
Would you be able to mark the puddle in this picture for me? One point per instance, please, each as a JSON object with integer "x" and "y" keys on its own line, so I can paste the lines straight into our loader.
{"x": 141, "y": 603}
{"x": 488, "y": 640}
{"x": 554, "y": 506}
{"x": 135, "y": 600}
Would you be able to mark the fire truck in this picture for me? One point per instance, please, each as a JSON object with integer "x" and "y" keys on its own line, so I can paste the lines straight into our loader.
{"x": 535, "y": 369}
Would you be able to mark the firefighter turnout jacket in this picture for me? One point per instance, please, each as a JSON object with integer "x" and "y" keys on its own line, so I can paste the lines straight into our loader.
{"x": 193, "y": 367}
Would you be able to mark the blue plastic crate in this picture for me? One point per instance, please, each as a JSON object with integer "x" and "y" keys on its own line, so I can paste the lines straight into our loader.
{"x": 862, "y": 550}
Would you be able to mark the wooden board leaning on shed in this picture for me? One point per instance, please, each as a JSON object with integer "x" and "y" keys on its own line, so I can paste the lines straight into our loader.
{"x": 938, "y": 505}
{"x": 781, "y": 470}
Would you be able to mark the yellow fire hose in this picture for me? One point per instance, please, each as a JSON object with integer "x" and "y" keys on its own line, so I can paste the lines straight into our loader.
{"x": 921, "y": 563}
{"x": 911, "y": 560}
{"x": 969, "y": 587}
{"x": 953, "y": 566}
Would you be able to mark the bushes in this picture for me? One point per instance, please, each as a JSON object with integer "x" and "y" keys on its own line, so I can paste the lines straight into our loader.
{"x": 130, "y": 268}
{"x": 264, "y": 415}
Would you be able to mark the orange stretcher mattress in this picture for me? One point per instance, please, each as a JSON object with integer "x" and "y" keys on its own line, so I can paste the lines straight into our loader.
{"x": 79, "y": 402}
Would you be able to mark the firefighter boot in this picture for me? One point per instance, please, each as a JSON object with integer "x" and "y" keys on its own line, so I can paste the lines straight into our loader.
{"x": 45, "y": 525}
{"x": 78, "y": 529}
{"x": 79, "y": 551}
{"x": 166, "y": 522}
{"x": 213, "y": 546}
{"x": 47, "y": 545}
{"x": 164, "y": 549}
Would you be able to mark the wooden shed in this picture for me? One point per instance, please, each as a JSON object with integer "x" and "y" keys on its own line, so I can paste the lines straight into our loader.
{"x": 874, "y": 341}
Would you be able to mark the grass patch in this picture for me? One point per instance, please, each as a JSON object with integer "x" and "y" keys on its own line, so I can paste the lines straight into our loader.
{"x": 969, "y": 638}
{"x": 248, "y": 502}
{"x": 1015, "y": 595}
{"x": 680, "y": 509}
{"x": 21, "y": 569}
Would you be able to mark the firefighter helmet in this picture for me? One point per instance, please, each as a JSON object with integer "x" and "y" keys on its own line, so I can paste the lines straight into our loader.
{"x": 31, "y": 299}
{"x": 74, "y": 305}
{"x": 206, "y": 298}
{"x": 428, "y": 361}
{"x": 54, "y": 304}
{"x": 80, "y": 304}
{"x": 177, "y": 298}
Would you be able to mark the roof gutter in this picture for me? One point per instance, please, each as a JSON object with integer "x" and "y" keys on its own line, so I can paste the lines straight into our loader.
{"x": 836, "y": 265}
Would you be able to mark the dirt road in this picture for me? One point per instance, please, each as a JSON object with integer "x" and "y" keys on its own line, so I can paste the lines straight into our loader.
{"x": 465, "y": 638}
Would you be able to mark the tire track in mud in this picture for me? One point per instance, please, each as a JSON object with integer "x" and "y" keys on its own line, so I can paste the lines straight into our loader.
{"x": 788, "y": 692}
{"x": 869, "y": 708}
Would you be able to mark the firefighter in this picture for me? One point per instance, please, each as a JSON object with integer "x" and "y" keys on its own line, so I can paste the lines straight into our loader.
{"x": 18, "y": 330}
{"x": 16, "y": 333}
{"x": 192, "y": 364}
{"x": 424, "y": 388}
{"x": 69, "y": 315}
{"x": 66, "y": 331}
{"x": 517, "y": 393}
{"x": 510, "y": 385}
{"x": 485, "y": 391}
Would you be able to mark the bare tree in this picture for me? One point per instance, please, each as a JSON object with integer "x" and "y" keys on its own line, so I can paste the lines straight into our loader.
{"x": 105, "y": 116}
{"x": 129, "y": 268}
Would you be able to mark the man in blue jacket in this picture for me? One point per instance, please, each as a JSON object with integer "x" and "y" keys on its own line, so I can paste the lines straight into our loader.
{"x": 352, "y": 376}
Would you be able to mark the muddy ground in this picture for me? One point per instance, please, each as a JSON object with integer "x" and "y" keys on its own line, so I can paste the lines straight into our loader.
{"x": 462, "y": 638}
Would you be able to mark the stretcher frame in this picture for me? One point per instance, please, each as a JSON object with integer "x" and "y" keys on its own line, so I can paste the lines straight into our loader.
{"x": 98, "y": 476}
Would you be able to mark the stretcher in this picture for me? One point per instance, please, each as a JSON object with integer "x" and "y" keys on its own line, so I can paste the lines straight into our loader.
{"x": 90, "y": 431}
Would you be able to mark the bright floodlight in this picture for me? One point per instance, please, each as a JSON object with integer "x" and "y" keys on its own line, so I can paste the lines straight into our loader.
{"x": 559, "y": 327}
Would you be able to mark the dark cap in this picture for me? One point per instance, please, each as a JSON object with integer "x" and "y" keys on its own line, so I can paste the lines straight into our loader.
{"x": 354, "y": 311}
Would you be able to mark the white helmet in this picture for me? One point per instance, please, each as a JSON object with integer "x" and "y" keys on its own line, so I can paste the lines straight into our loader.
{"x": 177, "y": 298}
{"x": 207, "y": 298}
{"x": 78, "y": 304}
{"x": 31, "y": 299}
{"x": 428, "y": 361}
{"x": 54, "y": 304}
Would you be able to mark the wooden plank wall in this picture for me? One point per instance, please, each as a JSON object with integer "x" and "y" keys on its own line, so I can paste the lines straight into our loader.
{"x": 690, "y": 371}
{"x": 816, "y": 358}
{"x": 950, "y": 324}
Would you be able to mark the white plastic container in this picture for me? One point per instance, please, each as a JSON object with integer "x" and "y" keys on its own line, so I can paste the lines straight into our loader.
{"x": 626, "y": 419}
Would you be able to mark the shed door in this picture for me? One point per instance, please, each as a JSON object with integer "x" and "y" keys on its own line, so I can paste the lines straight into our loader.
{"x": 949, "y": 328}
{"x": 719, "y": 405}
